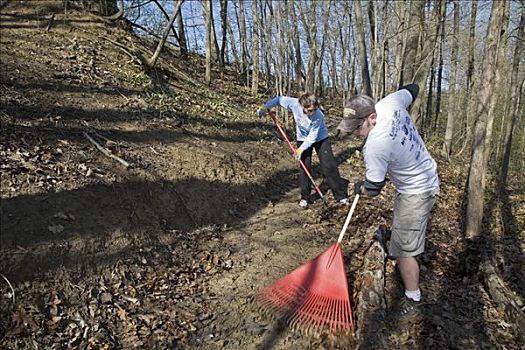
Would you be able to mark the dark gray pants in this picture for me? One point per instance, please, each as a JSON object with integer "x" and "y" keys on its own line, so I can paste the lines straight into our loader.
{"x": 329, "y": 169}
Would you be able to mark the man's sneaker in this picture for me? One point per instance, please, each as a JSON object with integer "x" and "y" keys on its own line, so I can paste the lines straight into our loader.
{"x": 344, "y": 201}
{"x": 408, "y": 310}
{"x": 303, "y": 203}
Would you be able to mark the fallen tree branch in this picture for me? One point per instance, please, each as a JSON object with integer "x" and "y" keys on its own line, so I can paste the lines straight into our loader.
{"x": 105, "y": 151}
{"x": 371, "y": 305}
{"x": 509, "y": 302}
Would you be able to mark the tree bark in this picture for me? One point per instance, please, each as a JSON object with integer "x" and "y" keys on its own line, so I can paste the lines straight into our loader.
{"x": 470, "y": 75}
{"x": 309, "y": 21}
{"x": 475, "y": 193}
{"x": 235, "y": 53}
{"x": 243, "y": 38}
{"x": 440, "y": 69}
{"x": 319, "y": 86}
{"x": 366, "y": 88}
{"x": 418, "y": 70}
{"x": 500, "y": 58}
{"x": 255, "y": 48}
{"x": 451, "y": 109}
{"x": 209, "y": 34}
{"x": 298, "y": 63}
{"x": 183, "y": 44}
{"x": 224, "y": 24}
{"x": 514, "y": 105}
{"x": 401, "y": 34}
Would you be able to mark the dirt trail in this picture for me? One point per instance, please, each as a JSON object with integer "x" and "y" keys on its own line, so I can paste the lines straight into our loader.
{"x": 169, "y": 252}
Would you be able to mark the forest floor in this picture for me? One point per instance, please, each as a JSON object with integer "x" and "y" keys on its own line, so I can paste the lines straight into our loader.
{"x": 170, "y": 251}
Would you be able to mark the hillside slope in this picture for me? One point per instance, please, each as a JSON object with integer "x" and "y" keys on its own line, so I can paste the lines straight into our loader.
{"x": 169, "y": 251}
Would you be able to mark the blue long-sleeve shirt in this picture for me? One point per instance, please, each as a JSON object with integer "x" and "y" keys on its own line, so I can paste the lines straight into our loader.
{"x": 308, "y": 129}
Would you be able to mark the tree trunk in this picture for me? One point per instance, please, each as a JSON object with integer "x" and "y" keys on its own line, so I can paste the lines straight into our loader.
{"x": 514, "y": 105}
{"x": 319, "y": 88}
{"x": 344, "y": 27}
{"x": 418, "y": 70}
{"x": 403, "y": 12}
{"x": 234, "y": 49}
{"x": 366, "y": 88}
{"x": 224, "y": 24}
{"x": 475, "y": 195}
{"x": 470, "y": 75}
{"x": 309, "y": 21}
{"x": 440, "y": 71}
{"x": 255, "y": 48}
{"x": 266, "y": 42}
{"x": 207, "y": 6}
{"x": 500, "y": 58}
{"x": 153, "y": 59}
{"x": 382, "y": 56}
{"x": 243, "y": 37}
{"x": 507, "y": 300}
{"x": 182, "y": 34}
{"x": 299, "y": 76}
{"x": 451, "y": 109}
{"x": 209, "y": 34}
{"x": 428, "y": 114}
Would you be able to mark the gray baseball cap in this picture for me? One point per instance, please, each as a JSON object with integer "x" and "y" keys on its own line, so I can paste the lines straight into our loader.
{"x": 357, "y": 108}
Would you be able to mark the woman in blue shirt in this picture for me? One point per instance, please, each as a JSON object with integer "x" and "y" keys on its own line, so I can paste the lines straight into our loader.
{"x": 311, "y": 134}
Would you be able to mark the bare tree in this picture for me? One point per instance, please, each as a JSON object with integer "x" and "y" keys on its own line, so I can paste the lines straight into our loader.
{"x": 207, "y": 7}
{"x": 500, "y": 59}
{"x": 243, "y": 39}
{"x": 255, "y": 48}
{"x": 475, "y": 195}
{"x": 420, "y": 49}
{"x": 209, "y": 35}
{"x": 298, "y": 66}
{"x": 440, "y": 65}
{"x": 469, "y": 75}
{"x": 182, "y": 33}
{"x": 365, "y": 75}
{"x": 224, "y": 24}
{"x": 319, "y": 74}
{"x": 153, "y": 59}
{"x": 308, "y": 18}
{"x": 451, "y": 110}
{"x": 514, "y": 104}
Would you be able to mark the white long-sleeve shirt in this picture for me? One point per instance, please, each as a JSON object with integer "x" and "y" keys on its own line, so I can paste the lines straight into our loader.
{"x": 308, "y": 129}
{"x": 395, "y": 147}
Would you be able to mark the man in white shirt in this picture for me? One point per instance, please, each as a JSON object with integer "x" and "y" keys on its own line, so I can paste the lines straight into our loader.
{"x": 394, "y": 147}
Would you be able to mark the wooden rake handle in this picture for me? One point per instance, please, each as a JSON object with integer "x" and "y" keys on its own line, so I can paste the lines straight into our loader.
{"x": 348, "y": 217}
{"x": 337, "y": 246}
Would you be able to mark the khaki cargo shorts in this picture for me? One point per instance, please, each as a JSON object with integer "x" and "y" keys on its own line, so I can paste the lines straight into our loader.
{"x": 411, "y": 215}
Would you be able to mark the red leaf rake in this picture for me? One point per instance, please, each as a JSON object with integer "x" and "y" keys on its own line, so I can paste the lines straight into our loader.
{"x": 315, "y": 295}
